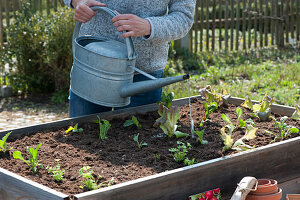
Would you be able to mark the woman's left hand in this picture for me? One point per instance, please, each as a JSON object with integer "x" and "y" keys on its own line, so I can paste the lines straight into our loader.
{"x": 134, "y": 25}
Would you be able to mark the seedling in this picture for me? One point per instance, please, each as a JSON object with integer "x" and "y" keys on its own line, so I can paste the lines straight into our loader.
{"x": 132, "y": 121}
{"x": 104, "y": 125}
{"x": 32, "y": 161}
{"x": 168, "y": 120}
{"x": 261, "y": 110}
{"x": 89, "y": 182}
{"x": 239, "y": 122}
{"x": 167, "y": 99}
{"x": 239, "y": 145}
{"x": 140, "y": 144}
{"x": 209, "y": 109}
{"x": 189, "y": 162}
{"x": 3, "y": 145}
{"x": 200, "y": 136}
{"x": 211, "y": 95}
{"x": 156, "y": 156}
{"x": 296, "y": 114}
{"x": 284, "y": 129}
{"x": 179, "y": 153}
{"x": 74, "y": 129}
{"x": 57, "y": 172}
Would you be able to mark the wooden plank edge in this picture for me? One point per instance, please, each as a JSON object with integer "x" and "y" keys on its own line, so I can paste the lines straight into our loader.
{"x": 32, "y": 187}
{"x": 131, "y": 185}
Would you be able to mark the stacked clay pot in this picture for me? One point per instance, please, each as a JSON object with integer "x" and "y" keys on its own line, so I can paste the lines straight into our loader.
{"x": 267, "y": 189}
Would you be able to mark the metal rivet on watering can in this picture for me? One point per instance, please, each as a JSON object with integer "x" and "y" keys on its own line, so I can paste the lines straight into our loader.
{"x": 103, "y": 69}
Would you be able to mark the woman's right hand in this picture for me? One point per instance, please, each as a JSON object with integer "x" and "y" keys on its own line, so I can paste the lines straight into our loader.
{"x": 83, "y": 12}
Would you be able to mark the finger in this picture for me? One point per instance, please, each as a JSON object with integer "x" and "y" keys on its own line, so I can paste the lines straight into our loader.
{"x": 121, "y": 23}
{"x": 124, "y": 28}
{"x": 128, "y": 34}
{"x": 84, "y": 10}
{"x": 122, "y": 17}
{"x": 94, "y": 3}
{"x": 117, "y": 12}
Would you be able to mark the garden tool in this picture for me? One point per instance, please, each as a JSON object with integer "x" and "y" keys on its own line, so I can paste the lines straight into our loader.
{"x": 244, "y": 187}
{"x": 103, "y": 69}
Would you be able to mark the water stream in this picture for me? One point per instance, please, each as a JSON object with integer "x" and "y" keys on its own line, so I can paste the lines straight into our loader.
{"x": 190, "y": 107}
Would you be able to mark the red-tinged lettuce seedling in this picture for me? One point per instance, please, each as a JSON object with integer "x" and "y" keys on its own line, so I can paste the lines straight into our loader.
{"x": 168, "y": 121}
{"x": 32, "y": 161}
{"x": 3, "y": 144}
{"x": 211, "y": 95}
{"x": 284, "y": 129}
{"x": 132, "y": 121}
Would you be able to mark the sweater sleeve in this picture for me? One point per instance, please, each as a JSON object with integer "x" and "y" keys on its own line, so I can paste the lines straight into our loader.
{"x": 175, "y": 24}
{"x": 68, "y": 3}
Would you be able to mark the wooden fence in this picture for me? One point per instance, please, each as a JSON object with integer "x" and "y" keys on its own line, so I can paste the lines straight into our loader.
{"x": 244, "y": 24}
{"x": 8, "y": 9}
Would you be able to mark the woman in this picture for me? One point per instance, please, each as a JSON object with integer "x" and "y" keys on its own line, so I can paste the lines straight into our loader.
{"x": 152, "y": 24}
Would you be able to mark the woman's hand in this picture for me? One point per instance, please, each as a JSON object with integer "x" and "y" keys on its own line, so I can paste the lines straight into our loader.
{"x": 83, "y": 12}
{"x": 134, "y": 25}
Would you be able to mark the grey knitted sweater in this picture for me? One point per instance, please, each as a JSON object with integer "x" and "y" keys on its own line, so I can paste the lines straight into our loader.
{"x": 169, "y": 19}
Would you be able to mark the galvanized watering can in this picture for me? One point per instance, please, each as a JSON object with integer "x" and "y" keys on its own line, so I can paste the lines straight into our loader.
{"x": 103, "y": 69}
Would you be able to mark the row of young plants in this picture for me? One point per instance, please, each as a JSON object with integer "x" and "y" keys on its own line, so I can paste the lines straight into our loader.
{"x": 169, "y": 116}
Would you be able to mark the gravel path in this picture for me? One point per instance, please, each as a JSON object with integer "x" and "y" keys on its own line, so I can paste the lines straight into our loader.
{"x": 17, "y": 112}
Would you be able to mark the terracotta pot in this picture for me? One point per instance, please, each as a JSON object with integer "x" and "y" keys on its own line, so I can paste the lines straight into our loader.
{"x": 293, "y": 197}
{"x": 266, "y": 190}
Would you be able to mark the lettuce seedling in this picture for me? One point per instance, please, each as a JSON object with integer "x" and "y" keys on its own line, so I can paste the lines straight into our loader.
{"x": 32, "y": 161}
{"x": 104, "y": 125}
{"x": 132, "y": 121}
{"x": 284, "y": 129}
{"x": 74, "y": 129}
{"x": 261, "y": 110}
{"x": 211, "y": 95}
{"x": 140, "y": 144}
{"x": 3, "y": 145}
{"x": 179, "y": 153}
{"x": 57, "y": 172}
{"x": 239, "y": 145}
{"x": 200, "y": 136}
{"x": 239, "y": 122}
{"x": 168, "y": 120}
{"x": 89, "y": 182}
{"x": 296, "y": 114}
{"x": 167, "y": 99}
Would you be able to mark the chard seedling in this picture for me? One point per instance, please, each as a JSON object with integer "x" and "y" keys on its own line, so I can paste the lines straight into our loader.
{"x": 74, "y": 129}
{"x": 140, "y": 144}
{"x": 89, "y": 182}
{"x": 132, "y": 121}
{"x": 3, "y": 145}
{"x": 296, "y": 114}
{"x": 209, "y": 109}
{"x": 200, "y": 136}
{"x": 167, "y": 99}
{"x": 261, "y": 110}
{"x": 168, "y": 121}
{"x": 284, "y": 129}
{"x": 57, "y": 172}
{"x": 104, "y": 125}
{"x": 32, "y": 161}
{"x": 239, "y": 145}
{"x": 179, "y": 153}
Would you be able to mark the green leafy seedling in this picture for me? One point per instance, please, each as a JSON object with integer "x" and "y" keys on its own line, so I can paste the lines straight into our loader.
{"x": 3, "y": 145}
{"x": 32, "y": 161}
{"x": 167, "y": 99}
{"x": 89, "y": 182}
{"x": 209, "y": 109}
{"x": 104, "y": 125}
{"x": 57, "y": 172}
{"x": 74, "y": 129}
{"x": 189, "y": 162}
{"x": 140, "y": 144}
{"x": 132, "y": 121}
{"x": 200, "y": 136}
{"x": 179, "y": 153}
{"x": 284, "y": 129}
{"x": 296, "y": 114}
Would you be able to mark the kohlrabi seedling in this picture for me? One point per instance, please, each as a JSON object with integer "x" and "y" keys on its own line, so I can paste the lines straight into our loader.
{"x": 56, "y": 172}
{"x": 168, "y": 121}
{"x": 139, "y": 144}
{"x": 132, "y": 121}
{"x": 104, "y": 125}
{"x": 74, "y": 129}
{"x": 284, "y": 129}
{"x": 32, "y": 161}
{"x": 3, "y": 145}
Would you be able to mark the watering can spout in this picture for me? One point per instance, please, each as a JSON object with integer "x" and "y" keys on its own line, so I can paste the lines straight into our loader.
{"x": 132, "y": 89}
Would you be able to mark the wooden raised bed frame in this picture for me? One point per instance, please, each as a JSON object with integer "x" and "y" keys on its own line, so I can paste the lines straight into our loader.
{"x": 278, "y": 161}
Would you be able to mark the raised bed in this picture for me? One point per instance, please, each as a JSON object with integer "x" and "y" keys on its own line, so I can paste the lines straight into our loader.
{"x": 275, "y": 161}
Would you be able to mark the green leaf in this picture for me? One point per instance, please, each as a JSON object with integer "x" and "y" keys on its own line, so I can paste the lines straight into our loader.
{"x": 18, "y": 155}
{"x": 296, "y": 114}
{"x": 226, "y": 118}
{"x": 247, "y": 103}
{"x": 239, "y": 112}
{"x": 242, "y": 123}
{"x": 179, "y": 134}
{"x": 128, "y": 123}
{"x": 294, "y": 130}
{"x": 5, "y": 137}
{"x": 250, "y": 134}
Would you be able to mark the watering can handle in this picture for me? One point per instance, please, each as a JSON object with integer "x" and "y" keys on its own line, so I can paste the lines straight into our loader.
{"x": 128, "y": 40}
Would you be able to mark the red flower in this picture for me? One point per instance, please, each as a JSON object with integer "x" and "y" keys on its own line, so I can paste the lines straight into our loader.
{"x": 216, "y": 191}
{"x": 209, "y": 194}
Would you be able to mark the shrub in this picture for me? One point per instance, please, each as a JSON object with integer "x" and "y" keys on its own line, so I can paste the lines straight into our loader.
{"x": 39, "y": 50}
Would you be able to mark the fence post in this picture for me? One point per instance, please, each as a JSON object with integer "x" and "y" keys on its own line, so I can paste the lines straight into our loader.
{"x": 184, "y": 42}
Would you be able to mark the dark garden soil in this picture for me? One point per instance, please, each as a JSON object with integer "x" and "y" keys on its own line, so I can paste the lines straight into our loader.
{"x": 118, "y": 156}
